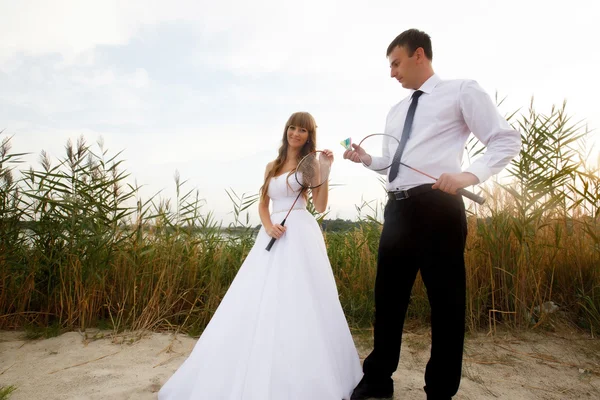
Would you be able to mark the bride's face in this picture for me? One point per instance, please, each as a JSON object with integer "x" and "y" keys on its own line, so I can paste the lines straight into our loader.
{"x": 296, "y": 136}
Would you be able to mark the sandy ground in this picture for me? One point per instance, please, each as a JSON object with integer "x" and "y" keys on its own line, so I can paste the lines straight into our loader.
{"x": 100, "y": 365}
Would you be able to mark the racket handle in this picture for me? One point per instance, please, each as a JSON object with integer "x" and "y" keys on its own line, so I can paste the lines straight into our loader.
{"x": 273, "y": 239}
{"x": 470, "y": 195}
{"x": 270, "y": 244}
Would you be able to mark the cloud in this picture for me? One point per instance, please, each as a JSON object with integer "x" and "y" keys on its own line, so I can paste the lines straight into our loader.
{"x": 205, "y": 87}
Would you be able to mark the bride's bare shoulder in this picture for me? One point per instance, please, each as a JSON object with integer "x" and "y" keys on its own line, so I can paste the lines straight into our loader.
{"x": 269, "y": 167}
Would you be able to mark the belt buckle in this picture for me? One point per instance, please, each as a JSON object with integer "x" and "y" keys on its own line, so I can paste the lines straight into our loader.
{"x": 401, "y": 194}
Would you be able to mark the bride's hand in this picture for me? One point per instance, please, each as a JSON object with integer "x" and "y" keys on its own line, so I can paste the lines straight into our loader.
{"x": 276, "y": 231}
{"x": 328, "y": 155}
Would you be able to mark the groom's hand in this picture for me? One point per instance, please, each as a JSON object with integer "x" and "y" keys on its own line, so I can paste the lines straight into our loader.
{"x": 357, "y": 155}
{"x": 450, "y": 183}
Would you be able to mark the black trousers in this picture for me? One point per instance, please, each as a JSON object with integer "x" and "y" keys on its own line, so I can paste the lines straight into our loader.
{"x": 426, "y": 232}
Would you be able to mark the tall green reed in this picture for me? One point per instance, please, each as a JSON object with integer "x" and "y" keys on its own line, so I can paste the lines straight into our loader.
{"x": 80, "y": 247}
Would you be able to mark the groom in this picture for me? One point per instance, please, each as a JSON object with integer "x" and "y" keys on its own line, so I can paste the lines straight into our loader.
{"x": 425, "y": 225}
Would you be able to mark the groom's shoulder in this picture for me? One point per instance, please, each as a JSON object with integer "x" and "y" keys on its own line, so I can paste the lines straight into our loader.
{"x": 458, "y": 85}
{"x": 397, "y": 105}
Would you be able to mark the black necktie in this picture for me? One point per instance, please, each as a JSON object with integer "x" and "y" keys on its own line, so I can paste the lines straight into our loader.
{"x": 405, "y": 134}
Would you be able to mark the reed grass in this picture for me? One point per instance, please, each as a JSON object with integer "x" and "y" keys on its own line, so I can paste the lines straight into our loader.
{"x": 79, "y": 247}
{"x": 5, "y": 392}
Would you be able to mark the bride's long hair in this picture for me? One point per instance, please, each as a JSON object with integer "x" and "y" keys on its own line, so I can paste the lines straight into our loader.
{"x": 301, "y": 120}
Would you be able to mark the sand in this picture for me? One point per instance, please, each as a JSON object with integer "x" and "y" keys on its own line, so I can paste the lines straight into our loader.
{"x": 101, "y": 365}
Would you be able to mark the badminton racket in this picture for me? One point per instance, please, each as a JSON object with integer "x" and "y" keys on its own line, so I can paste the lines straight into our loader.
{"x": 312, "y": 171}
{"x": 371, "y": 147}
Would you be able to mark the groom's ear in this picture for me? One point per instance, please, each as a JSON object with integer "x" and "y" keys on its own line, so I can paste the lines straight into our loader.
{"x": 420, "y": 55}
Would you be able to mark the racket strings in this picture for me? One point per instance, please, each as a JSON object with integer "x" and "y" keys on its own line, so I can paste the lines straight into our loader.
{"x": 313, "y": 170}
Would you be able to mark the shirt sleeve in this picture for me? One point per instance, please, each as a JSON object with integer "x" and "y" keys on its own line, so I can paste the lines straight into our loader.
{"x": 378, "y": 164}
{"x": 503, "y": 143}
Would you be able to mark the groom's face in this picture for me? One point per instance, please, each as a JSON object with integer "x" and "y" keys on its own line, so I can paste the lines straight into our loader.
{"x": 403, "y": 67}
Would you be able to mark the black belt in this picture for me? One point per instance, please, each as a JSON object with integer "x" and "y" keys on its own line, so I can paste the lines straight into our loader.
{"x": 405, "y": 194}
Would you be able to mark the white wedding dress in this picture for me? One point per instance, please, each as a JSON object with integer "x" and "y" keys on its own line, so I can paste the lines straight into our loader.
{"x": 279, "y": 332}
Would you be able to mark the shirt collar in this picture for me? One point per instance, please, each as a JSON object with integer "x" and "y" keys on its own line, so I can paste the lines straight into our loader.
{"x": 430, "y": 84}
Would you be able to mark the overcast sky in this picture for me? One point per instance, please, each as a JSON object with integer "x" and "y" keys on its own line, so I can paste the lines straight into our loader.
{"x": 205, "y": 87}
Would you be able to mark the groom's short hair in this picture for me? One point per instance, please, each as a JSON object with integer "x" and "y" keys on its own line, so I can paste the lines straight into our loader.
{"x": 411, "y": 40}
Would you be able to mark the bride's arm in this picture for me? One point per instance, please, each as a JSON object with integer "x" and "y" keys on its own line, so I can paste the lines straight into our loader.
{"x": 321, "y": 193}
{"x": 273, "y": 230}
{"x": 321, "y": 197}
{"x": 263, "y": 206}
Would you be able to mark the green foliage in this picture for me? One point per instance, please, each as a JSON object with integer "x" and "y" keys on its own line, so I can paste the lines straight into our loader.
{"x": 80, "y": 247}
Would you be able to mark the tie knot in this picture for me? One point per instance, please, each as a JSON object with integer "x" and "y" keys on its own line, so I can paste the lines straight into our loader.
{"x": 416, "y": 94}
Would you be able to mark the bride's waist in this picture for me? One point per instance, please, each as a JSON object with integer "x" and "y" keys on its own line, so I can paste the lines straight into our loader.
{"x": 285, "y": 210}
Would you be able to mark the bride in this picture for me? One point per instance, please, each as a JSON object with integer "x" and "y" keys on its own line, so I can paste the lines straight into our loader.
{"x": 279, "y": 332}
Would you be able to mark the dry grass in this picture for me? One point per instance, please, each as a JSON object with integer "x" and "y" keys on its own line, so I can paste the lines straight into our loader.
{"x": 74, "y": 253}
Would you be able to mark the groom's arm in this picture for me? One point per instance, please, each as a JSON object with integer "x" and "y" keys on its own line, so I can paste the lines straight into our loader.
{"x": 503, "y": 143}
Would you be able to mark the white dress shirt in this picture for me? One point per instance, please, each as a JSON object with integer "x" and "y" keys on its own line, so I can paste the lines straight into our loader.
{"x": 447, "y": 112}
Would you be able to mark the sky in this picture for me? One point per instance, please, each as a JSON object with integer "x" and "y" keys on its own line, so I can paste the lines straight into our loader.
{"x": 205, "y": 87}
